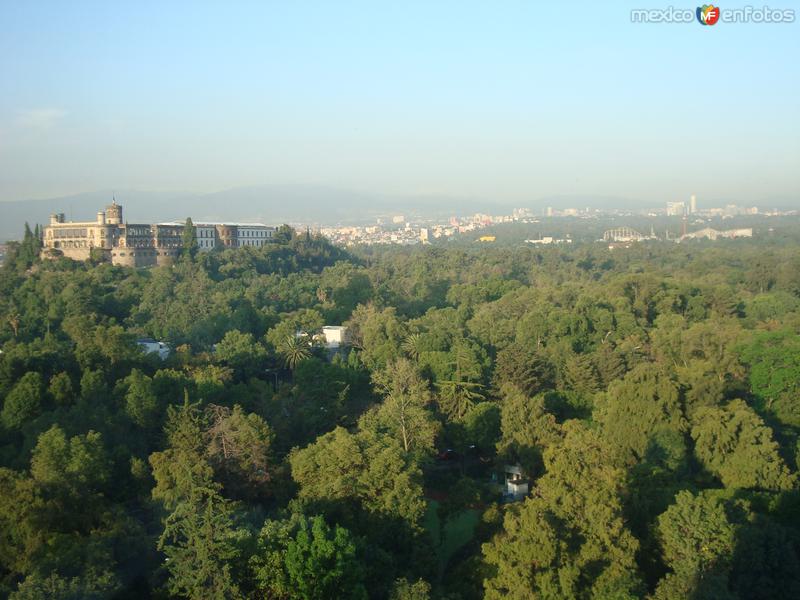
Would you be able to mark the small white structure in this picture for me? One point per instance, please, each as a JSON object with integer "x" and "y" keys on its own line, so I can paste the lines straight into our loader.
{"x": 547, "y": 240}
{"x": 335, "y": 336}
{"x": 516, "y": 487}
{"x": 151, "y": 346}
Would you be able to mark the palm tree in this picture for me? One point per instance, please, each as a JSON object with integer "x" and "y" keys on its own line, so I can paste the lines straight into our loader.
{"x": 411, "y": 346}
{"x": 461, "y": 392}
{"x": 295, "y": 350}
{"x": 457, "y": 397}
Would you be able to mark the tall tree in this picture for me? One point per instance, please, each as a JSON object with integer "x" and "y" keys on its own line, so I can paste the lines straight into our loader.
{"x": 238, "y": 448}
{"x": 527, "y": 428}
{"x": 524, "y": 367}
{"x": 635, "y": 408}
{"x": 198, "y": 537}
{"x": 24, "y": 402}
{"x": 369, "y": 469}
{"x": 737, "y": 446}
{"x": 189, "y": 239}
{"x": 697, "y": 541}
{"x": 404, "y": 412}
{"x": 321, "y": 563}
{"x": 305, "y": 558}
{"x": 774, "y": 361}
{"x": 295, "y": 349}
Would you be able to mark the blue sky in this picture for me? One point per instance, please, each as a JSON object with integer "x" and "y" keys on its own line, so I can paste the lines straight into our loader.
{"x": 501, "y": 100}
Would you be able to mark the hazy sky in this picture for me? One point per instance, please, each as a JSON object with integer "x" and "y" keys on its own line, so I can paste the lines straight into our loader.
{"x": 496, "y": 99}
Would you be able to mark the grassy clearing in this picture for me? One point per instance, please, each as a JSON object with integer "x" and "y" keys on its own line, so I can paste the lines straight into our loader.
{"x": 457, "y": 532}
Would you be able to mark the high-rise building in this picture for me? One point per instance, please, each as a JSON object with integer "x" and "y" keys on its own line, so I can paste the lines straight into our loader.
{"x": 693, "y": 204}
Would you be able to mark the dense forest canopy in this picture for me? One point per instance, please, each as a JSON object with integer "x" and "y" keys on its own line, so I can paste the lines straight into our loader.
{"x": 649, "y": 396}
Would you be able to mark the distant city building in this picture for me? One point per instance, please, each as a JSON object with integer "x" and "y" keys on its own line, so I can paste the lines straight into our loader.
{"x": 713, "y": 234}
{"x": 141, "y": 244}
{"x": 548, "y": 211}
{"x": 487, "y": 238}
{"x": 423, "y": 235}
{"x": 398, "y": 219}
{"x": 693, "y": 205}
{"x": 547, "y": 240}
{"x": 623, "y": 234}
{"x": 676, "y": 209}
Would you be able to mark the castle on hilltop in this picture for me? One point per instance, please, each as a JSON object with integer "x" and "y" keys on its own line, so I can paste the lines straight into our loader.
{"x": 141, "y": 245}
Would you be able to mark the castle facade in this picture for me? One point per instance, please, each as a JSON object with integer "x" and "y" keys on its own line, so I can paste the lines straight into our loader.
{"x": 140, "y": 244}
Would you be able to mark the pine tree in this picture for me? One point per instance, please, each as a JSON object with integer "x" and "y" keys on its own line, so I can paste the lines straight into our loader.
{"x": 189, "y": 239}
{"x": 581, "y": 374}
{"x": 198, "y": 536}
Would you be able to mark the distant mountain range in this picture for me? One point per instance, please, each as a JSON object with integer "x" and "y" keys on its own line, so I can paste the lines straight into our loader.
{"x": 276, "y": 204}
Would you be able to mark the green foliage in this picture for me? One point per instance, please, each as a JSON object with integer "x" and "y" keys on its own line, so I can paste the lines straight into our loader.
{"x": 636, "y": 408}
{"x": 305, "y": 558}
{"x": 404, "y": 413}
{"x": 523, "y": 367}
{"x": 370, "y": 469}
{"x": 609, "y": 376}
{"x": 378, "y": 333}
{"x": 93, "y": 586}
{"x": 581, "y": 374}
{"x": 61, "y": 389}
{"x": 736, "y": 446}
{"x": 774, "y": 360}
{"x": 404, "y": 590}
{"x": 765, "y": 563}
{"x": 189, "y": 239}
{"x": 697, "y": 541}
{"x": 77, "y": 465}
{"x": 482, "y": 426}
{"x": 460, "y": 386}
{"x": 295, "y": 350}
{"x": 24, "y": 401}
{"x": 242, "y": 353}
{"x": 198, "y": 539}
{"x": 321, "y": 563}
{"x": 527, "y": 429}
{"x": 239, "y": 450}
{"x": 141, "y": 403}
{"x": 569, "y": 540}
{"x": 198, "y": 542}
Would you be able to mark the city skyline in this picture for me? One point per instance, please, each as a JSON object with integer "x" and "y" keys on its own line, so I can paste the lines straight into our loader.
{"x": 453, "y": 100}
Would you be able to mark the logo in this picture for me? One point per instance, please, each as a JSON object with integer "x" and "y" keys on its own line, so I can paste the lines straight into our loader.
{"x": 708, "y": 14}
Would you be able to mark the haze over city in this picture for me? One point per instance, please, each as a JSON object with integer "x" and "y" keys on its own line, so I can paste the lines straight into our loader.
{"x": 502, "y": 103}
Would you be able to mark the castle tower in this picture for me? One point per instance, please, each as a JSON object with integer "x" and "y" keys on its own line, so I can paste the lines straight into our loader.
{"x": 114, "y": 213}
